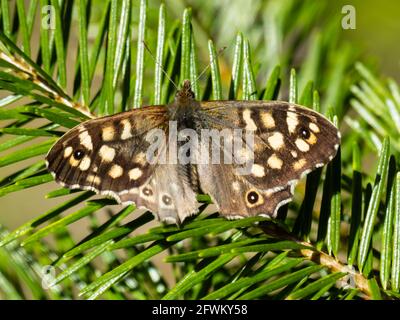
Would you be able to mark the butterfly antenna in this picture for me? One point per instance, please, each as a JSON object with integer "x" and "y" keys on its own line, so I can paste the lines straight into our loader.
{"x": 160, "y": 65}
{"x": 220, "y": 51}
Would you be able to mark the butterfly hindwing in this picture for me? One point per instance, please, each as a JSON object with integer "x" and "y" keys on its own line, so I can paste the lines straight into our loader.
{"x": 166, "y": 193}
{"x": 235, "y": 197}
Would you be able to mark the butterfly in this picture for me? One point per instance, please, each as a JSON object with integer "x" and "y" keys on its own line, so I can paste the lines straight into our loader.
{"x": 110, "y": 155}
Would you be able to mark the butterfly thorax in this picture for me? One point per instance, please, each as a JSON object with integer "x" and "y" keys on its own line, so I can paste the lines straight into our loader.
{"x": 184, "y": 107}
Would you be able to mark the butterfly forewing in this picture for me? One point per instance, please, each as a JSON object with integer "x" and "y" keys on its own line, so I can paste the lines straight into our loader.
{"x": 108, "y": 154}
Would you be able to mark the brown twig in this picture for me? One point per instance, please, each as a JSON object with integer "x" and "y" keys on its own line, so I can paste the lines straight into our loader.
{"x": 319, "y": 257}
{"x": 27, "y": 72}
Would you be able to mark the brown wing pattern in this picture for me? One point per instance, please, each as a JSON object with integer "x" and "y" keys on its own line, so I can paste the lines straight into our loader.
{"x": 289, "y": 141}
{"x": 165, "y": 194}
{"x": 107, "y": 155}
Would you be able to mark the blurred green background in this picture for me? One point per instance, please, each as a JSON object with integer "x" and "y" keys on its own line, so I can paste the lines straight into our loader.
{"x": 377, "y": 32}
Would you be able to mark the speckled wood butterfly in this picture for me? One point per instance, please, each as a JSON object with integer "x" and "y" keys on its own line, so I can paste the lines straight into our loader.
{"x": 109, "y": 155}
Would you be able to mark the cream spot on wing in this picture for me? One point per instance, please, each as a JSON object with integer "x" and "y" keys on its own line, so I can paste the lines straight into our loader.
{"x": 133, "y": 191}
{"x": 270, "y": 192}
{"x": 267, "y": 120}
{"x": 302, "y": 145}
{"x": 174, "y": 187}
{"x": 73, "y": 162}
{"x": 141, "y": 158}
{"x": 107, "y": 154}
{"x": 67, "y": 152}
{"x": 312, "y": 139}
{"x": 245, "y": 155}
{"x": 92, "y": 179}
{"x": 168, "y": 220}
{"x": 313, "y": 127}
{"x": 108, "y": 133}
{"x": 259, "y": 145}
{"x": 85, "y": 164}
{"x": 236, "y": 186}
{"x": 276, "y": 141}
{"x": 292, "y": 121}
{"x": 299, "y": 164}
{"x": 294, "y": 154}
{"x": 258, "y": 170}
{"x": 274, "y": 162}
{"x": 135, "y": 173}
{"x": 250, "y": 124}
{"x": 126, "y": 131}
{"x": 116, "y": 171}
{"x": 86, "y": 140}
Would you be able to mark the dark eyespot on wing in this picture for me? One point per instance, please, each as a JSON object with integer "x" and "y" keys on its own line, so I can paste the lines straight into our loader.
{"x": 100, "y": 153}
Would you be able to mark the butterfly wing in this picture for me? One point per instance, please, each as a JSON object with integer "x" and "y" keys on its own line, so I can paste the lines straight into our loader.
{"x": 288, "y": 142}
{"x": 108, "y": 154}
{"x": 167, "y": 193}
